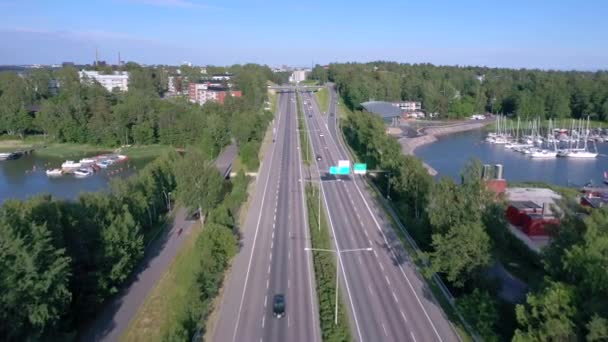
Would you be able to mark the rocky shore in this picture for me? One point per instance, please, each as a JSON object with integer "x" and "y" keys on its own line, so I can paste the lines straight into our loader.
{"x": 429, "y": 135}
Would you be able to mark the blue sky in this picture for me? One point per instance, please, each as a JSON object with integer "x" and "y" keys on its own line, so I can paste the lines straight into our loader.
{"x": 560, "y": 34}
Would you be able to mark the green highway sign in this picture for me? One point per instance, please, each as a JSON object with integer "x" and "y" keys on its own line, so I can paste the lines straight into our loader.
{"x": 360, "y": 169}
{"x": 343, "y": 170}
{"x": 339, "y": 170}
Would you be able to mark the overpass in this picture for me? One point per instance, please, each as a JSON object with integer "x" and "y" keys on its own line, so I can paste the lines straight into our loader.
{"x": 290, "y": 88}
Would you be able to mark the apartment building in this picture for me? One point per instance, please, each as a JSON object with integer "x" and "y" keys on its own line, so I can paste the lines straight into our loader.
{"x": 118, "y": 79}
{"x": 202, "y": 92}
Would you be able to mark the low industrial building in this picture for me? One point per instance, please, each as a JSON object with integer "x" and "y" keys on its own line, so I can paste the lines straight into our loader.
{"x": 387, "y": 111}
{"x": 531, "y": 214}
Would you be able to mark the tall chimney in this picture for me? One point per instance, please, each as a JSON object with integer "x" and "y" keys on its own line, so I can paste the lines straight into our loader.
{"x": 96, "y": 56}
{"x": 118, "y": 58}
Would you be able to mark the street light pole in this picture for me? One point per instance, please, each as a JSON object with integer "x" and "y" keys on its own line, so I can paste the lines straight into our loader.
{"x": 338, "y": 262}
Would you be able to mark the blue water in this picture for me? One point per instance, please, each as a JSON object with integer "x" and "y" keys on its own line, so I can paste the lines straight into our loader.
{"x": 450, "y": 153}
{"x": 25, "y": 177}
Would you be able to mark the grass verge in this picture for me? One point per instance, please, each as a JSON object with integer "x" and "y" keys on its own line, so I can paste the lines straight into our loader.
{"x": 145, "y": 151}
{"x": 322, "y": 96}
{"x": 325, "y": 272}
{"x": 173, "y": 292}
{"x": 304, "y": 144}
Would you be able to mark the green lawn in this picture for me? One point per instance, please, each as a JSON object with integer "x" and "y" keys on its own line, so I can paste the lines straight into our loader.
{"x": 303, "y": 134}
{"x": 165, "y": 304}
{"x": 309, "y": 82}
{"x": 145, "y": 151}
{"x": 323, "y": 99}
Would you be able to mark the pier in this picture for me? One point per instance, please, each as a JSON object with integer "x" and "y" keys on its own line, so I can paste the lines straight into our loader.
{"x": 16, "y": 154}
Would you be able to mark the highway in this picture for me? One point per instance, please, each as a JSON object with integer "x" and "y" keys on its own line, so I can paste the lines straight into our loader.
{"x": 272, "y": 259}
{"x": 387, "y": 298}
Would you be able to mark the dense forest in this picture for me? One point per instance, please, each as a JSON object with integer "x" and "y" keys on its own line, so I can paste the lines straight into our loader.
{"x": 461, "y": 233}
{"x": 456, "y": 92}
{"x": 88, "y": 113}
{"x": 60, "y": 261}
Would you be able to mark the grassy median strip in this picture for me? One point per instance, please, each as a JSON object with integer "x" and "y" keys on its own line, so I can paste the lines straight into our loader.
{"x": 325, "y": 273}
{"x": 304, "y": 144}
{"x": 322, "y": 96}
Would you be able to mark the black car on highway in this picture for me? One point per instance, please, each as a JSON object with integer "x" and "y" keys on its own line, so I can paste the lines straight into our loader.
{"x": 278, "y": 305}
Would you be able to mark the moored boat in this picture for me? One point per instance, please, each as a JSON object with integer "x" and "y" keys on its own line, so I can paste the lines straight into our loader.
{"x": 54, "y": 172}
{"x": 83, "y": 172}
{"x": 5, "y": 156}
{"x": 70, "y": 164}
{"x": 87, "y": 161}
{"x": 581, "y": 154}
{"x": 102, "y": 164}
{"x": 543, "y": 154}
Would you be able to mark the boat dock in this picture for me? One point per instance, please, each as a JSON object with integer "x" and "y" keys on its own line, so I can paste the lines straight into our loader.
{"x": 16, "y": 154}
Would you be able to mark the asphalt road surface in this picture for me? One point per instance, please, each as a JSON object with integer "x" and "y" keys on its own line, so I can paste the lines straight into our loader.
{"x": 272, "y": 259}
{"x": 114, "y": 319}
{"x": 388, "y": 299}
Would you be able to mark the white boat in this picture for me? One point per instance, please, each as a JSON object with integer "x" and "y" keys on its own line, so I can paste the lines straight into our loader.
{"x": 87, "y": 161}
{"x": 83, "y": 172}
{"x": 581, "y": 154}
{"x": 5, "y": 156}
{"x": 543, "y": 154}
{"x": 70, "y": 164}
{"x": 54, "y": 172}
{"x": 102, "y": 164}
{"x": 122, "y": 157}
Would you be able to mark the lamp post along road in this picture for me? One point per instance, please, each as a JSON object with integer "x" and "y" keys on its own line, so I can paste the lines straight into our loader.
{"x": 318, "y": 196}
{"x": 368, "y": 249}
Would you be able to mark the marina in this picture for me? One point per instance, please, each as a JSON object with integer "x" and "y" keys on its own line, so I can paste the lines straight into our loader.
{"x": 31, "y": 174}
{"x": 540, "y": 141}
{"x": 445, "y": 156}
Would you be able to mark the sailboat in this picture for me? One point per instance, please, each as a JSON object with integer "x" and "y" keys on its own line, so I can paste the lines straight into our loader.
{"x": 582, "y": 153}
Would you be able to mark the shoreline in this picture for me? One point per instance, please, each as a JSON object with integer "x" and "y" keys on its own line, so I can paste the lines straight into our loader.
{"x": 430, "y": 134}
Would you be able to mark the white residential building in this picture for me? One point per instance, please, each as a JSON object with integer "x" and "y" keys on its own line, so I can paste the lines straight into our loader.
{"x": 297, "y": 76}
{"x": 221, "y": 77}
{"x": 118, "y": 79}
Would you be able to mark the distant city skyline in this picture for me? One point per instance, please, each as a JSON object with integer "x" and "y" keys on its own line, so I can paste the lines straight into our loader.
{"x": 516, "y": 34}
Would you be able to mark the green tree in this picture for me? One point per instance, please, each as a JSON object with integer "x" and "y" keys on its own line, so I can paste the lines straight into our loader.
{"x": 480, "y": 309}
{"x": 199, "y": 184}
{"x": 548, "y": 315}
{"x": 461, "y": 252}
{"x": 34, "y": 280}
{"x": 597, "y": 329}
